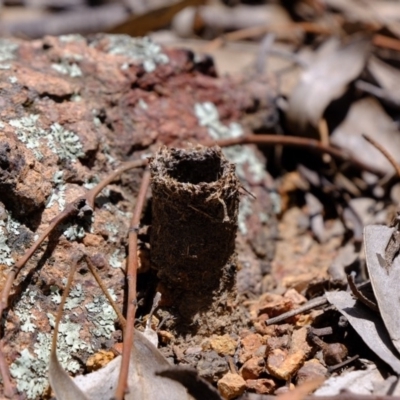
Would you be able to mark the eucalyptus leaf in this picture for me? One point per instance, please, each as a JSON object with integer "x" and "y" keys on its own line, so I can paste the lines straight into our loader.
{"x": 368, "y": 325}
{"x": 143, "y": 384}
{"x": 385, "y": 280}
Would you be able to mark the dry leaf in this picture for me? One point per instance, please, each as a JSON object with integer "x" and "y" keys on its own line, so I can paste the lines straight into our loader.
{"x": 384, "y": 280}
{"x": 367, "y": 117}
{"x": 143, "y": 384}
{"x": 62, "y": 384}
{"x": 368, "y": 325}
{"x": 333, "y": 68}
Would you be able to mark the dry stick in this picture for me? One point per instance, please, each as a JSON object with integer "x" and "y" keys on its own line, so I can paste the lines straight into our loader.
{"x": 92, "y": 268}
{"x": 131, "y": 276}
{"x": 61, "y": 306}
{"x": 389, "y": 157}
{"x": 5, "y": 373}
{"x": 294, "y": 141}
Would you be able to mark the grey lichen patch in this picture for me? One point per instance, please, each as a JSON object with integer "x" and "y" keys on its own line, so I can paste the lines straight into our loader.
{"x": 116, "y": 259}
{"x": 66, "y": 68}
{"x": 142, "y": 50}
{"x": 58, "y": 191}
{"x": 13, "y": 79}
{"x": 243, "y": 157}
{"x": 8, "y": 226}
{"x": 71, "y": 38}
{"x": 75, "y": 298}
{"x": 102, "y": 315}
{"x": 7, "y": 52}
{"x": 30, "y": 369}
{"x": 64, "y": 143}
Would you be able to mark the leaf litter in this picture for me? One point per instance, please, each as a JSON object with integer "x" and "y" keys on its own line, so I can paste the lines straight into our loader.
{"x": 288, "y": 333}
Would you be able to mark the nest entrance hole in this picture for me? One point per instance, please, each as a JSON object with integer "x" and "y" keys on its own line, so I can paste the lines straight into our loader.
{"x": 196, "y": 168}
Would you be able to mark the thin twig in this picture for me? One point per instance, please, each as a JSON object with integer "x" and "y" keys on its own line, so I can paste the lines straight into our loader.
{"x": 294, "y": 141}
{"x": 388, "y": 156}
{"x": 131, "y": 276}
{"x": 9, "y": 391}
{"x": 359, "y": 295}
{"x": 343, "y": 363}
{"x": 317, "y": 302}
{"x": 61, "y": 306}
{"x": 92, "y": 268}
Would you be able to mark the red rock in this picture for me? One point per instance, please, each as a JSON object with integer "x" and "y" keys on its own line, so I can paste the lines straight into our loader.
{"x": 261, "y": 386}
{"x": 253, "y": 368}
{"x": 310, "y": 370}
{"x": 249, "y": 345}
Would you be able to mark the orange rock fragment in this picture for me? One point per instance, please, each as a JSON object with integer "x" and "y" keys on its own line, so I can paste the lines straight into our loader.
{"x": 99, "y": 360}
{"x": 224, "y": 345}
{"x": 231, "y": 386}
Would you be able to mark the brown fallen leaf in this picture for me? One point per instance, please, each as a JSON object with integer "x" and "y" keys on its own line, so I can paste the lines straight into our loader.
{"x": 332, "y": 68}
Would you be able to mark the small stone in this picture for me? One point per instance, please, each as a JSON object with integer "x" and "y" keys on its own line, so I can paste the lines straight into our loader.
{"x": 283, "y": 365}
{"x": 231, "y": 386}
{"x": 165, "y": 337}
{"x": 249, "y": 345}
{"x": 223, "y": 345}
{"x": 334, "y": 353}
{"x": 212, "y": 366}
{"x": 310, "y": 370}
{"x": 295, "y": 297}
{"x": 299, "y": 342}
{"x": 99, "y": 360}
{"x": 261, "y": 386}
{"x": 93, "y": 240}
{"x": 253, "y": 368}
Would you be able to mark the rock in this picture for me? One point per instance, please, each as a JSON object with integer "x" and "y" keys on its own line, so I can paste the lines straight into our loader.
{"x": 334, "y": 353}
{"x": 310, "y": 370}
{"x": 231, "y": 386}
{"x": 249, "y": 345}
{"x": 253, "y": 368}
{"x": 224, "y": 345}
{"x": 261, "y": 386}
{"x": 99, "y": 360}
{"x": 283, "y": 365}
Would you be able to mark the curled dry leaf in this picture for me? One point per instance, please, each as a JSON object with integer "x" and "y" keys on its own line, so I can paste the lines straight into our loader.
{"x": 385, "y": 278}
{"x": 367, "y": 117}
{"x": 368, "y": 325}
{"x": 143, "y": 384}
{"x": 388, "y": 78}
{"x": 332, "y": 69}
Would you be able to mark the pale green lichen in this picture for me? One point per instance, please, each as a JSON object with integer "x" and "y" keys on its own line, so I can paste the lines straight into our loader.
{"x": 64, "y": 143}
{"x": 7, "y": 52}
{"x": 71, "y": 38}
{"x": 30, "y": 370}
{"x": 66, "y": 68}
{"x": 141, "y": 49}
{"x": 115, "y": 259}
{"x": 243, "y": 157}
{"x": 58, "y": 191}
{"x": 7, "y": 226}
{"x": 102, "y": 315}
{"x": 75, "y": 297}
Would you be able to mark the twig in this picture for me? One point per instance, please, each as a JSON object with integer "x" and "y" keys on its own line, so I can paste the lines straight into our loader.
{"x": 343, "y": 363}
{"x": 317, "y": 302}
{"x": 9, "y": 391}
{"x": 106, "y": 292}
{"x": 294, "y": 141}
{"x": 389, "y": 157}
{"x": 359, "y": 295}
{"x": 131, "y": 276}
{"x": 61, "y": 306}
